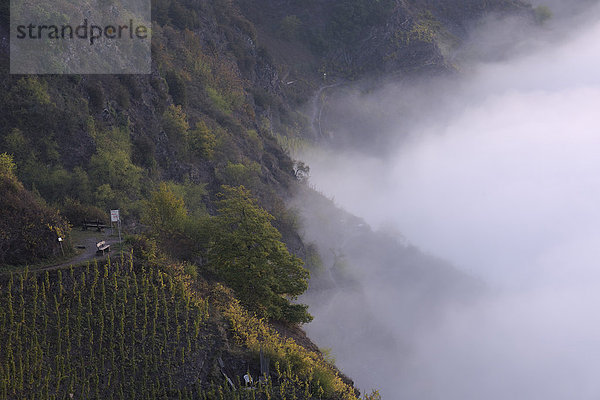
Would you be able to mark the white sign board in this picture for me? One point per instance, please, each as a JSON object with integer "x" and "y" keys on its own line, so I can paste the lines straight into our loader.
{"x": 114, "y": 216}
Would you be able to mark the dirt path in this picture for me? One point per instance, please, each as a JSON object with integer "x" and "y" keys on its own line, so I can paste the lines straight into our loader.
{"x": 317, "y": 105}
{"x": 85, "y": 246}
{"x": 86, "y": 254}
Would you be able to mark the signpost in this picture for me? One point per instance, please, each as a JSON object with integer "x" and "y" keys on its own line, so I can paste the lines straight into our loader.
{"x": 115, "y": 217}
{"x": 60, "y": 240}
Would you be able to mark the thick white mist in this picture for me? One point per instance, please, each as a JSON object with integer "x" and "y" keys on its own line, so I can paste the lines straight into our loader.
{"x": 505, "y": 184}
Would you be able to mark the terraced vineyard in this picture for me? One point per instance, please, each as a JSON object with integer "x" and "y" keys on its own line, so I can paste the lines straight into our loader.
{"x": 98, "y": 332}
{"x": 116, "y": 331}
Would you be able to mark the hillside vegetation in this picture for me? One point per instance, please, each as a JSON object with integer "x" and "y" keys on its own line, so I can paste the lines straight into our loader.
{"x": 123, "y": 330}
{"x": 29, "y": 229}
{"x": 196, "y": 157}
{"x": 221, "y": 100}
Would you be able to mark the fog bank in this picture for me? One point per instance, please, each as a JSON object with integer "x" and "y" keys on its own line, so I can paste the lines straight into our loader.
{"x": 499, "y": 174}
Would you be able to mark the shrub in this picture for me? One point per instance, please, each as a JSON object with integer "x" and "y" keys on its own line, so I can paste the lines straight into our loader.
{"x": 177, "y": 88}
{"x": 218, "y": 101}
{"x": 28, "y": 228}
{"x": 175, "y": 123}
{"x": 33, "y": 89}
{"x": 80, "y": 186}
{"x": 76, "y": 213}
{"x": 291, "y": 361}
{"x": 238, "y": 174}
{"x": 143, "y": 152}
{"x": 202, "y": 142}
{"x": 192, "y": 195}
{"x": 17, "y": 144}
{"x": 181, "y": 16}
{"x": 112, "y": 165}
{"x": 542, "y": 14}
{"x": 96, "y": 97}
{"x": 165, "y": 212}
{"x": 262, "y": 98}
{"x": 7, "y": 166}
{"x": 105, "y": 197}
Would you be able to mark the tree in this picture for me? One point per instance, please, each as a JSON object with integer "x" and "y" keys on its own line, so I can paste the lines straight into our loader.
{"x": 29, "y": 229}
{"x": 202, "y": 141}
{"x": 177, "y": 88}
{"x": 165, "y": 212}
{"x": 7, "y": 165}
{"x": 177, "y": 128}
{"x": 542, "y": 14}
{"x": 179, "y": 233}
{"x": 175, "y": 123}
{"x": 247, "y": 253}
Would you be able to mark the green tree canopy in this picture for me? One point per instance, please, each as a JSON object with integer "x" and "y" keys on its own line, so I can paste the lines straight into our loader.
{"x": 247, "y": 253}
{"x": 7, "y": 165}
{"x": 165, "y": 212}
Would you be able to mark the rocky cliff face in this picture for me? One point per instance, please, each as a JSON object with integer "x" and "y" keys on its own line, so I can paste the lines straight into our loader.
{"x": 351, "y": 40}
{"x": 210, "y": 66}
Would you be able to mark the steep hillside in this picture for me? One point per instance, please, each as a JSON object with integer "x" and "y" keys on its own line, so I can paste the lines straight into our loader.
{"x": 223, "y": 96}
{"x": 351, "y": 38}
{"x": 195, "y": 155}
{"x": 131, "y": 330}
{"x": 106, "y": 140}
{"x": 29, "y": 229}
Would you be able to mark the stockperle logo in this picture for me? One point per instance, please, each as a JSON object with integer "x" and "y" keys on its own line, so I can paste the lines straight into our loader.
{"x": 81, "y": 37}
